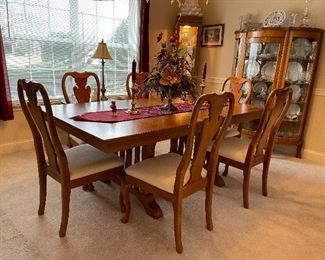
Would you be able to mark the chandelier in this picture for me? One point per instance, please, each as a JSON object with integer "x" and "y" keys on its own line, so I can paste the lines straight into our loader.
{"x": 188, "y": 7}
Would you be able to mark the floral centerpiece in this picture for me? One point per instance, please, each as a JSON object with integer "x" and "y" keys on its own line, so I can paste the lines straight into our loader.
{"x": 171, "y": 75}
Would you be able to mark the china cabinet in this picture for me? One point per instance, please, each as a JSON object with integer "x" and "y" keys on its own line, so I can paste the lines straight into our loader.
{"x": 276, "y": 58}
{"x": 189, "y": 31}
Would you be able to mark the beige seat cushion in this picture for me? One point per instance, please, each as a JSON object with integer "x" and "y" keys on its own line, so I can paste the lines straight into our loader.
{"x": 86, "y": 160}
{"x": 233, "y": 148}
{"x": 160, "y": 171}
{"x": 232, "y": 131}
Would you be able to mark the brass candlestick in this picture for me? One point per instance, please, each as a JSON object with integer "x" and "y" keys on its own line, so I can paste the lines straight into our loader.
{"x": 133, "y": 110}
{"x": 202, "y": 86}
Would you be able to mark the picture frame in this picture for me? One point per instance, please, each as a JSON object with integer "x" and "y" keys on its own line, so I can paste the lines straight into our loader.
{"x": 212, "y": 35}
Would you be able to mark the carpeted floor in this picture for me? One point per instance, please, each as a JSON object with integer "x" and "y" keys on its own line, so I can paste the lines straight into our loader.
{"x": 289, "y": 224}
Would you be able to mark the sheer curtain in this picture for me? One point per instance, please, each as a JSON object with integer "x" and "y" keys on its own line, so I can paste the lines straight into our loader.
{"x": 6, "y": 112}
{"x": 45, "y": 38}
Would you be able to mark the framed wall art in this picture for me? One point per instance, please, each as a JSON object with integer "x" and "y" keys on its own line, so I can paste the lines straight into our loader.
{"x": 212, "y": 35}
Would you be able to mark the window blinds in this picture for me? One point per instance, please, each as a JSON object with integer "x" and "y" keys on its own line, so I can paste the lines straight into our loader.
{"x": 45, "y": 38}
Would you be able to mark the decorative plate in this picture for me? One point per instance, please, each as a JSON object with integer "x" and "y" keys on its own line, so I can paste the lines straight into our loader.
{"x": 293, "y": 111}
{"x": 275, "y": 18}
{"x": 271, "y": 49}
{"x": 245, "y": 88}
{"x": 260, "y": 89}
{"x": 294, "y": 71}
{"x": 301, "y": 48}
{"x": 268, "y": 70}
{"x": 254, "y": 49}
{"x": 296, "y": 93}
{"x": 252, "y": 68}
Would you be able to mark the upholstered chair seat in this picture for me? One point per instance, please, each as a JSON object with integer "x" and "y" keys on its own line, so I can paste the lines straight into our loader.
{"x": 164, "y": 167}
{"x": 85, "y": 160}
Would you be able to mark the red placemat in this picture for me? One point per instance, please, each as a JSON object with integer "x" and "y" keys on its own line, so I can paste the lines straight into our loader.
{"x": 121, "y": 115}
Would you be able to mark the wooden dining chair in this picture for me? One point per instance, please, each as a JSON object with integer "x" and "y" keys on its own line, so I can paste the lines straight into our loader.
{"x": 245, "y": 154}
{"x": 140, "y": 77}
{"x": 72, "y": 167}
{"x": 81, "y": 90}
{"x": 242, "y": 88}
{"x": 174, "y": 176}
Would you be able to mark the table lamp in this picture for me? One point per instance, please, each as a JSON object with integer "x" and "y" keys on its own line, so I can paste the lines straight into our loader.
{"x": 102, "y": 53}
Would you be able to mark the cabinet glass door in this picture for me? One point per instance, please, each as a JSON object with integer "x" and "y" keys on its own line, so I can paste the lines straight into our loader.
{"x": 260, "y": 66}
{"x": 298, "y": 78}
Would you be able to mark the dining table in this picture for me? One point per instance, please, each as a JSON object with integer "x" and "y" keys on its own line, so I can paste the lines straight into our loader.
{"x": 125, "y": 135}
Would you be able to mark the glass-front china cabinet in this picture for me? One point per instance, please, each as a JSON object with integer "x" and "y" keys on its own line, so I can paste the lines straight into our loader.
{"x": 276, "y": 58}
{"x": 189, "y": 31}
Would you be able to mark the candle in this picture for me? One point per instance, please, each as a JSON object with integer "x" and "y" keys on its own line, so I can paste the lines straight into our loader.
{"x": 204, "y": 71}
{"x": 134, "y": 66}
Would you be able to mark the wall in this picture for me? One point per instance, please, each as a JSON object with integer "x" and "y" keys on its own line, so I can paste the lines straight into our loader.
{"x": 219, "y": 59}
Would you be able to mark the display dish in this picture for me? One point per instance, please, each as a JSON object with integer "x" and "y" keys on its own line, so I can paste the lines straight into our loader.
{"x": 245, "y": 88}
{"x": 252, "y": 68}
{"x": 276, "y": 18}
{"x": 270, "y": 50}
{"x": 301, "y": 48}
{"x": 296, "y": 93}
{"x": 260, "y": 89}
{"x": 254, "y": 49}
{"x": 268, "y": 70}
{"x": 293, "y": 111}
{"x": 294, "y": 71}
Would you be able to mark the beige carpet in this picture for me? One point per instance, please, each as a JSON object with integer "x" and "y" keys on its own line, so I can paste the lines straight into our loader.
{"x": 289, "y": 224}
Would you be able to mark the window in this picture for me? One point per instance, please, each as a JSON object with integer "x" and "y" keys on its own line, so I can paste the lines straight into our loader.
{"x": 45, "y": 38}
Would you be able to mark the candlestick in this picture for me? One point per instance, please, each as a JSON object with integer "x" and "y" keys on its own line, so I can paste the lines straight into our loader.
{"x": 204, "y": 71}
{"x": 114, "y": 108}
{"x": 133, "y": 110}
{"x": 134, "y": 68}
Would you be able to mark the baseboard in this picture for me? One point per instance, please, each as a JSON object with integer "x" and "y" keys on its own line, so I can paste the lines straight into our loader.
{"x": 23, "y": 145}
{"x": 313, "y": 156}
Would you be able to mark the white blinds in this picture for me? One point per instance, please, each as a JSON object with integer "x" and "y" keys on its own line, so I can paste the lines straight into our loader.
{"x": 45, "y": 38}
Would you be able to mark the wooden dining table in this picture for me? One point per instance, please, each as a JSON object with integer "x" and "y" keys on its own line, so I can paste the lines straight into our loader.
{"x": 125, "y": 135}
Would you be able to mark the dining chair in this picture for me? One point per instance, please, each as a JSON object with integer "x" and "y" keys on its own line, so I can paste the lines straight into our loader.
{"x": 244, "y": 154}
{"x": 242, "y": 88}
{"x": 173, "y": 176}
{"x": 72, "y": 167}
{"x": 140, "y": 77}
{"x": 81, "y": 92}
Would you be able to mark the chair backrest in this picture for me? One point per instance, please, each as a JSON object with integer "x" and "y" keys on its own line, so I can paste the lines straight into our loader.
{"x": 43, "y": 128}
{"x": 81, "y": 90}
{"x": 139, "y": 79}
{"x": 275, "y": 109}
{"x": 206, "y": 125}
{"x": 242, "y": 88}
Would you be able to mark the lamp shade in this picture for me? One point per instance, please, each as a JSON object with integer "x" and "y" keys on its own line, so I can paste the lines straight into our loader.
{"x": 102, "y": 51}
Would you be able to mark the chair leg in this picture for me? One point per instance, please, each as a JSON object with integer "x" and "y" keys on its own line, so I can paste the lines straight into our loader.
{"x": 125, "y": 200}
{"x": 247, "y": 174}
{"x": 266, "y": 165}
{"x": 65, "y": 197}
{"x": 208, "y": 205}
{"x": 177, "y": 206}
{"x": 225, "y": 173}
{"x": 42, "y": 193}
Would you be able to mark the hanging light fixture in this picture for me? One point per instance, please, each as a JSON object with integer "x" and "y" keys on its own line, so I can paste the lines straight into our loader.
{"x": 188, "y": 7}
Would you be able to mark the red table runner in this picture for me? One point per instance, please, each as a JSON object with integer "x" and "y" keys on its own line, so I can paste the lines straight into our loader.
{"x": 121, "y": 115}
